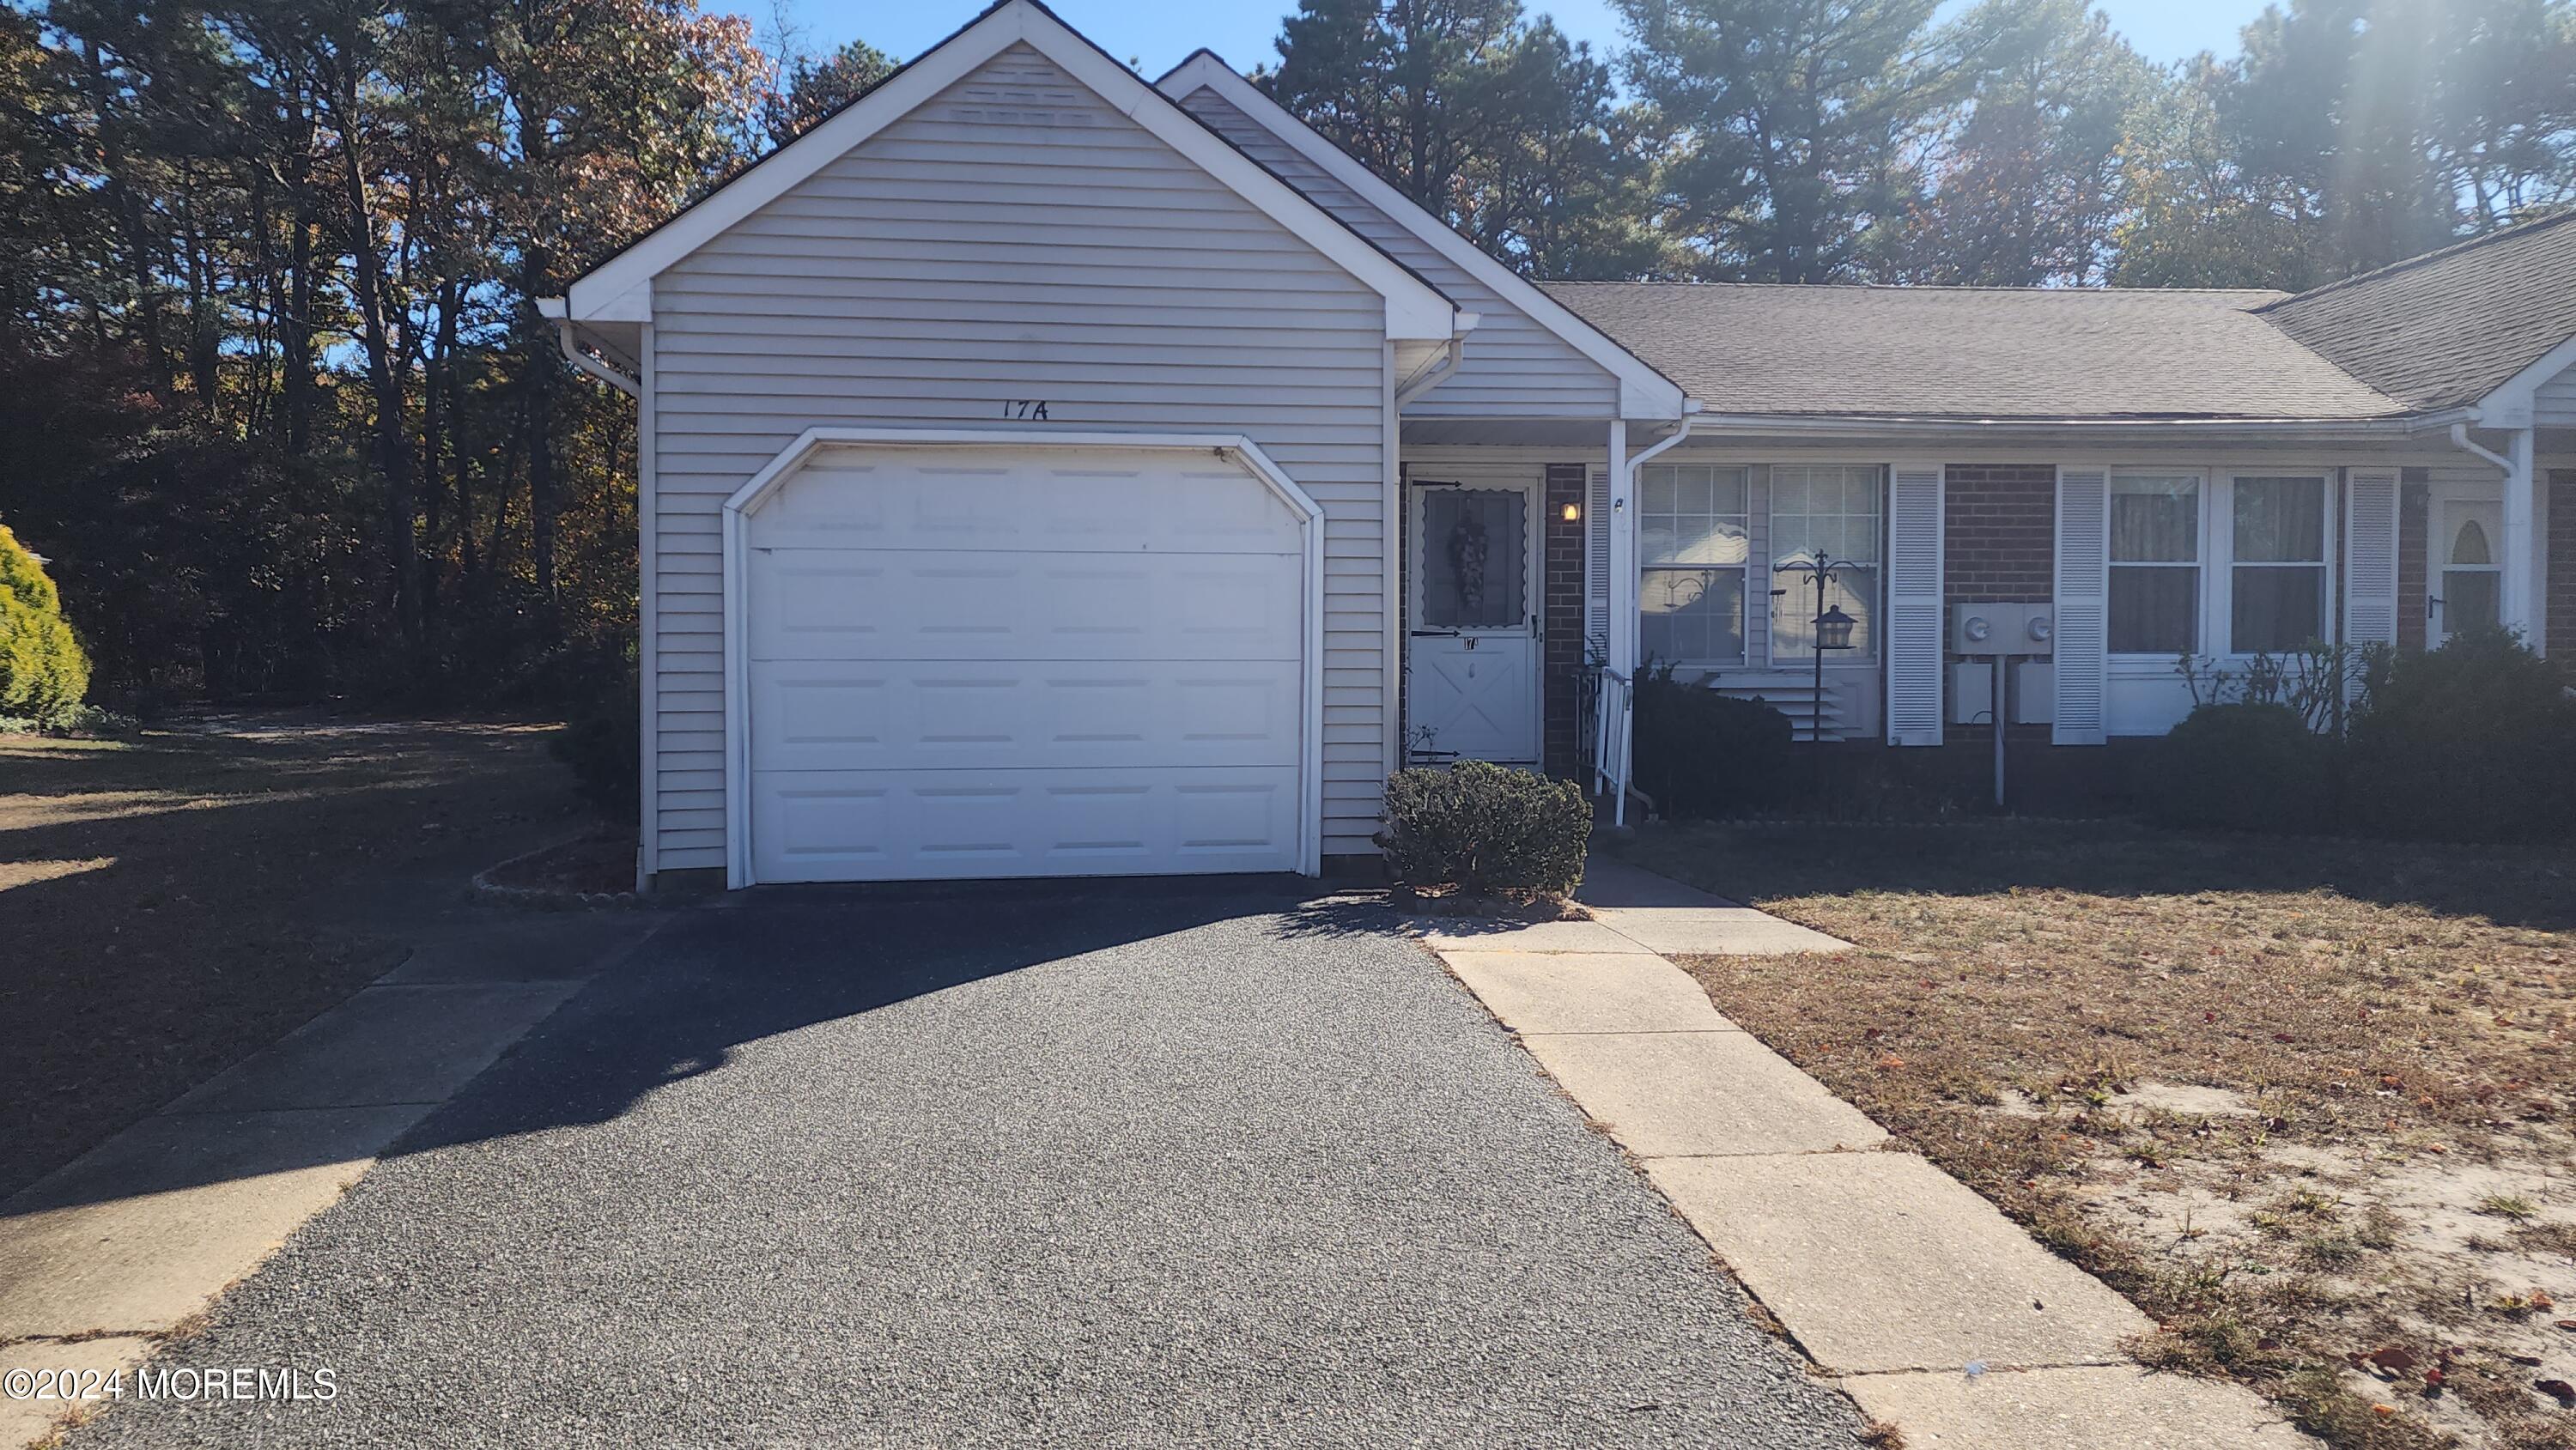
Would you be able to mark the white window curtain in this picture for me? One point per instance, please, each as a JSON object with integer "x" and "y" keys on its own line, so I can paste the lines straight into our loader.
{"x": 1832, "y": 508}
{"x": 1693, "y": 543}
{"x": 2155, "y": 564}
{"x": 2277, "y": 584}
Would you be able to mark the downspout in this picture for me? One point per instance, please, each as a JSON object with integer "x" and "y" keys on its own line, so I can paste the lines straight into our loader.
{"x": 1623, "y": 595}
{"x": 2522, "y": 579}
{"x": 2460, "y": 439}
{"x": 582, "y": 359}
{"x": 1444, "y": 367}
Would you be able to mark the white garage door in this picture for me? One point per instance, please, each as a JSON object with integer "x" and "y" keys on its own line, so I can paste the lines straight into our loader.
{"x": 978, "y": 661}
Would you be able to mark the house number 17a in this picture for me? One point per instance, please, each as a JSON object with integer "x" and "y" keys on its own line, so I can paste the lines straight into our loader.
{"x": 1033, "y": 409}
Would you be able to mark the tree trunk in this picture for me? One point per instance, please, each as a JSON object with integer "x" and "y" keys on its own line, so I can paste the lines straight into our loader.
{"x": 127, "y": 209}
{"x": 393, "y": 443}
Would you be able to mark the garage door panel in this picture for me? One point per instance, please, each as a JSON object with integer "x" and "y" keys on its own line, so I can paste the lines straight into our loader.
{"x": 915, "y": 825}
{"x": 967, "y": 662}
{"x": 877, "y": 604}
{"x": 929, "y": 715}
{"x": 1109, "y": 501}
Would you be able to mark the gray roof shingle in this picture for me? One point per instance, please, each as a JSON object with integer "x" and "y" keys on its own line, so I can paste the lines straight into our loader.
{"x": 1973, "y": 352}
{"x": 2447, "y": 328}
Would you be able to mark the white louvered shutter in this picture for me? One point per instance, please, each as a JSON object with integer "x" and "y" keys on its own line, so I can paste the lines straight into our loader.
{"x": 2083, "y": 603}
{"x": 1914, "y": 604}
{"x": 1596, "y": 563}
{"x": 2370, "y": 557}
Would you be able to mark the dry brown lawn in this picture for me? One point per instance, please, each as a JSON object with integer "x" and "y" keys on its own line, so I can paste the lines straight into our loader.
{"x": 2306, "y": 1102}
{"x": 172, "y": 903}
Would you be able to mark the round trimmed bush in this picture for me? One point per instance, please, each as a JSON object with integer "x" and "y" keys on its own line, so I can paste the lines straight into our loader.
{"x": 1485, "y": 830}
{"x": 1701, "y": 755}
{"x": 2475, "y": 741}
{"x": 2243, "y": 767}
{"x": 43, "y": 671}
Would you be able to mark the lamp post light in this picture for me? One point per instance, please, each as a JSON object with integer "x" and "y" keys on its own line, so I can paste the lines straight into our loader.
{"x": 1833, "y": 630}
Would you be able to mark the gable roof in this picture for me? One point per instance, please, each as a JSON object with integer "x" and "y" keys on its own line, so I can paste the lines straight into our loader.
{"x": 619, "y": 289}
{"x": 2446, "y": 329}
{"x": 1645, "y": 390}
{"x": 1974, "y": 352}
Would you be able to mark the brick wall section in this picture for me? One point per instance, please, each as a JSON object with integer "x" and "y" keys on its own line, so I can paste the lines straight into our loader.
{"x": 2414, "y": 502}
{"x": 1562, "y": 585}
{"x": 2558, "y": 591}
{"x": 1999, "y": 534}
{"x": 1998, "y": 546}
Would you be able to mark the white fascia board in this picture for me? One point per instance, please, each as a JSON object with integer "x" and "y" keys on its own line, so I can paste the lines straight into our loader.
{"x": 1414, "y": 308}
{"x": 2511, "y": 405}
{"x": 1644, "y": 393}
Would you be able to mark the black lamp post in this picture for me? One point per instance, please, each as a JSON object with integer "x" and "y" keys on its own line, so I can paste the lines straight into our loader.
{"x": 1833, "y": 632}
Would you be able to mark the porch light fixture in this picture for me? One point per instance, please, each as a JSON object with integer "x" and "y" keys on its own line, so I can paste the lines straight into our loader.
{"x": 1573, "y": 513}
{"x": 1834, "y": 629}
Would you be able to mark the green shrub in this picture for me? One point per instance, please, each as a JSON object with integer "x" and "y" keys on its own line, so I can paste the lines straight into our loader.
{"x": 1485, "y": 830}
{"x": 43, "y": 670}
{"x": 1700, "y": 754}
{"x": 2475, "y": 741}
{"x": 602, "y": 741}
{"x": 2246, "y": 767}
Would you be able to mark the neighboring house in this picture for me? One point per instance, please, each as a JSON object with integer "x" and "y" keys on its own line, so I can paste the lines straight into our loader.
{"x": 1049, "y": 473}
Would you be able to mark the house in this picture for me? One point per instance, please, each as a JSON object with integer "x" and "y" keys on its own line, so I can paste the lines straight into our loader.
{"x": 1048, "y": 472}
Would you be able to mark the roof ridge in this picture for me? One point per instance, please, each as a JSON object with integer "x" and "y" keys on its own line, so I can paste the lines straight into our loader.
{"x": 2542, "y": 222}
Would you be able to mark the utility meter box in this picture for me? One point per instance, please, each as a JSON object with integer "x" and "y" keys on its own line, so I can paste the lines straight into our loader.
{"x": 2002, "y": 629}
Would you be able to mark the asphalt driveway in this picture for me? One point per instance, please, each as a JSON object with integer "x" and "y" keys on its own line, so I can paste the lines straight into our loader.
{"x": 1197, "y": 1166}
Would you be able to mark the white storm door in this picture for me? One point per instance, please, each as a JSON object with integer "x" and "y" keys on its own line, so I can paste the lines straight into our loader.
{"x": 2467, "y": 571}
{"x": 1472, "y": 621}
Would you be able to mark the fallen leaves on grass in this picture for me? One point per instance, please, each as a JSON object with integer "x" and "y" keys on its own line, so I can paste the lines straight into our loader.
{"x": 2267, "y": 1089}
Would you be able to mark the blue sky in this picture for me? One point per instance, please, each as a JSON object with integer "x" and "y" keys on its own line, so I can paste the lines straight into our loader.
{"x": 1159, "y": 32}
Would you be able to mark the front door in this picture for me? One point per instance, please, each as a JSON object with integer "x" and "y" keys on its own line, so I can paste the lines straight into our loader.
{"x": 1472, "y": 663}
{"x": 2466, "y": 572}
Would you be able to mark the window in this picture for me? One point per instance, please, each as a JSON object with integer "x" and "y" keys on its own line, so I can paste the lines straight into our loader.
{"x": 2470, "y": 574}
{"x": 1472, "y": 557}
{"x": 2277, "y": 586}
{"x": 2155, "y": 564}
{"x": 1831, "y": 508}
{"x": 1692, "y": 545}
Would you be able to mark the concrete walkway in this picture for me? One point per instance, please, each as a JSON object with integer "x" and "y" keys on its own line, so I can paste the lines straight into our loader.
{"x": 1924, "y": 1303}
{"x": 109, "y": 1254}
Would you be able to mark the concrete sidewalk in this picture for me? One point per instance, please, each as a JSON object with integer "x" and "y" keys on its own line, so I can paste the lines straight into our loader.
{"x": 1923, "y": 1302}
{"x": 115, "y": 1250}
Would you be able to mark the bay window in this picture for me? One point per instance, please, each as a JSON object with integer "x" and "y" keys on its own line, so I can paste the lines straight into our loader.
{"x": 2277, "y": 588}
{"x": 1831, "y": 509}
{"x": 1693, "y": 541}
{"x": 2155, "y": 564}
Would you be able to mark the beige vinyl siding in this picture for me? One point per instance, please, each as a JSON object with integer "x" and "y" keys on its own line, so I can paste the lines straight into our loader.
{"x": 1014, "y": 238}
{"x": 1512, "y": 366}
{"x": 2553, "y": 405}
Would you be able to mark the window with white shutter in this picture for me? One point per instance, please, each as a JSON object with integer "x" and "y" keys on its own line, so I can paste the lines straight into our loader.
{"x": 1914, "y": 635}
{"x": 2083, "y": 604}
{"x": 2370, "y": 557}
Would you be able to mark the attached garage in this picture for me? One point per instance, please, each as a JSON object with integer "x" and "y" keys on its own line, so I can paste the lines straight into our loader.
{"x": 959, "y": 654}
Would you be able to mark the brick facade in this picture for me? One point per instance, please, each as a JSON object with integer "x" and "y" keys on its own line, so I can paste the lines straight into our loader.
{"x": 2414, "y": 506}
{"x": 1999, "y": 533}
{"x": 1998, "y": 546}
{"x": 1562, "y": 653}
